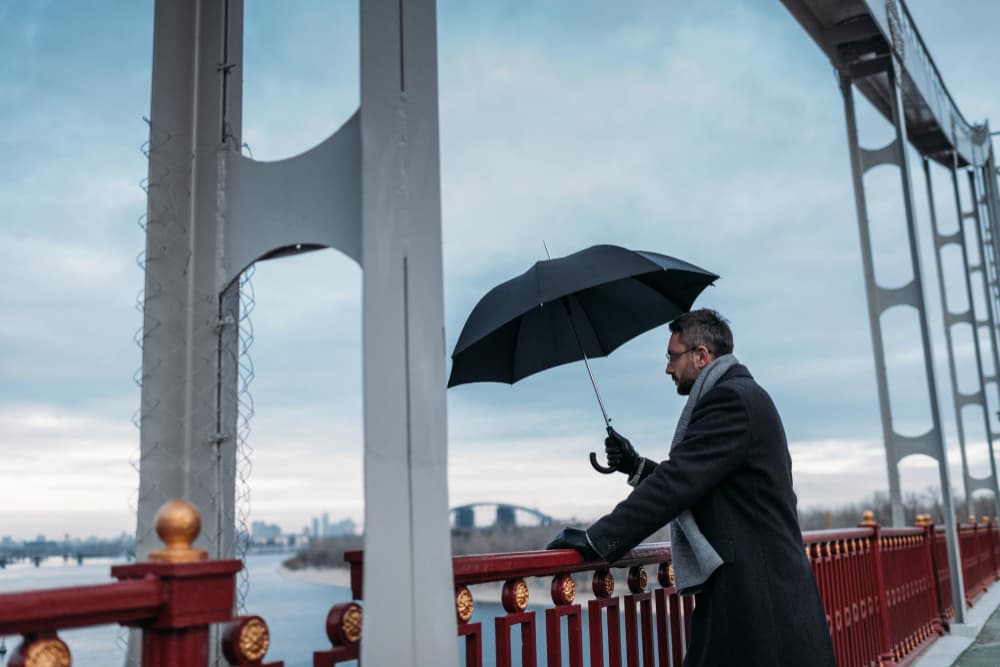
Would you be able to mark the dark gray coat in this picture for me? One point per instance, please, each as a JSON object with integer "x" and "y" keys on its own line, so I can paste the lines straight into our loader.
{"x": 733, "y": 471}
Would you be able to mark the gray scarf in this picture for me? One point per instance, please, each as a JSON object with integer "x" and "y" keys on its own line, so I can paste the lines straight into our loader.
{"x": 694, "y": 557}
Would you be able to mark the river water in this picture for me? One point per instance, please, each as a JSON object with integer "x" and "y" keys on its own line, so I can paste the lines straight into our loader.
{"x": 295, "y": 611}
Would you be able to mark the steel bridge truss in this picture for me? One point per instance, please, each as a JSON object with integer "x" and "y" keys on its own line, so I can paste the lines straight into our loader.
{"x": 876, "y": 49}
{"x": 981, "y": 325}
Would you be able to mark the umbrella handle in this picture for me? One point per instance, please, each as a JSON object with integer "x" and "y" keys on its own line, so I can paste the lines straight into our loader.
{"x": 598, "y": 467}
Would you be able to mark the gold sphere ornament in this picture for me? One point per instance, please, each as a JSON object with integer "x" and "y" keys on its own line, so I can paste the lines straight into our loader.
{"x": 178, "y": 524}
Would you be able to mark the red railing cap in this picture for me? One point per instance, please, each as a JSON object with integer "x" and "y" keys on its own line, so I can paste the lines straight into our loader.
{"x": 819, "y": 536}
{"x": 480, "y": 568}
{"x": 903, "y": 532}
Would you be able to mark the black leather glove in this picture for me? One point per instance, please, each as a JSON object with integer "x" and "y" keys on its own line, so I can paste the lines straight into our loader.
{"x": 573, "y": 538}
{"x": 621, "y": 455}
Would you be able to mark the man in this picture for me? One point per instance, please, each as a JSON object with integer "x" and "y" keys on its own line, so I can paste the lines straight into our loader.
{"x": 727, "y": 488}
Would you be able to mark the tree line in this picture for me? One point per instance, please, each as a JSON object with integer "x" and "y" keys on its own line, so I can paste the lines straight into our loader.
{"x": 329, "y": 552}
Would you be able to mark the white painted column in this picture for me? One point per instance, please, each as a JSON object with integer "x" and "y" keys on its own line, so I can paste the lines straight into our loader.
{"x": 189, "y": 380}
{"x": 409, "y": 614}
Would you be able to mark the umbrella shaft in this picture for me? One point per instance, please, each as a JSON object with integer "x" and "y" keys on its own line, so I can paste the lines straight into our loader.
{"x": 607, "y": 422}
{"x": 576, "y": 334}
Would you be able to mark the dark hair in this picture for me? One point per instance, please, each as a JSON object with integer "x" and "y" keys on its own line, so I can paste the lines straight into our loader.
{"x": 704, "y": 327}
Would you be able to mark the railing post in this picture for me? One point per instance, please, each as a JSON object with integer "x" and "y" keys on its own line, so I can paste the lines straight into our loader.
{"x": 886, "y": 656}
{"x": 938, "y": 612}
{"x": 977, "y": 539}
{"x": 197, "y": 591}
{"x": 989, "y": 555}
{"x": 994, "y": 547}
{"x": 967, "y": 572}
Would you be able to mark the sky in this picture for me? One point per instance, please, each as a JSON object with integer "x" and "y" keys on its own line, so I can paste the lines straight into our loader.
{"x": 709, "y": 131}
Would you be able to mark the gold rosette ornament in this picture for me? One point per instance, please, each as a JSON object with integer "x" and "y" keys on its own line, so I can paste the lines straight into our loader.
{"x": 514, "y": 595}
{"x": 563, "y": 589}
{"x": 464, "y": 604}
{"x": 603, "y": 583}
{"x": 41, "y": 651}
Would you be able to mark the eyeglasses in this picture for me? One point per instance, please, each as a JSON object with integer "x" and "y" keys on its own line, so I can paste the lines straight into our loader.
{"x": 672, "y": 357}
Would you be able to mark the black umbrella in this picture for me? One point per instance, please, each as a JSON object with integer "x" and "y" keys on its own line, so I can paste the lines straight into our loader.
{"x": 560, "y": 310}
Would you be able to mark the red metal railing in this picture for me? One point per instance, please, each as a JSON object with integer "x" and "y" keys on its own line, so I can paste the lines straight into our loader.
{"x": 844, "y": 564}
{"x": 173, "y": 603}
{"x": 911, "y": 604}
{"x": 173, "y": 599}
{"x": 978, "y": 546}
{"x": 649, "y": 638}
{"x": 886, "y": 593}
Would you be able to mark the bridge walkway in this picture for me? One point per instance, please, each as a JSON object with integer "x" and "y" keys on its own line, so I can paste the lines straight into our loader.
{"x": 975, "y": 643}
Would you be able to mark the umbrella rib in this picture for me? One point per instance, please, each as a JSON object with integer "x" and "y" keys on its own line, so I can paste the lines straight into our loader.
{"x": 586, "y": 316}
{"x": 517, "y": 343}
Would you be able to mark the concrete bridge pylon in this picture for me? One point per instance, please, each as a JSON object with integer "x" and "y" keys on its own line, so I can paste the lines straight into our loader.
{"x": 371, "y": 191}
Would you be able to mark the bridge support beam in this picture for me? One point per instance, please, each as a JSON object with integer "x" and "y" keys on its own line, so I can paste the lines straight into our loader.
{"x": 411, "y": 623}
{"x": 373, "y": 191}
{"x": 189, "y": 344}
{"x": 979, "y": 322}
{"x": 881, "y": 299}
{"x": 976, "y": 322}
{"x": 190, "y": 339}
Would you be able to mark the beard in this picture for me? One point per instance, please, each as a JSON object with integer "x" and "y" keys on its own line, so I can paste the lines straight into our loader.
{"x": 684, "y": 386}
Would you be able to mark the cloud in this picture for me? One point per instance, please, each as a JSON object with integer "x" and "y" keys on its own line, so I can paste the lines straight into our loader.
{"x": 714, "y": 132}
{"x": 62, "y": 462}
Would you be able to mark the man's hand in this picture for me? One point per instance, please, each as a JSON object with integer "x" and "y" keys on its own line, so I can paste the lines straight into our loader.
{"x": 573, "y": 538}
{"x": 621, "y": 455}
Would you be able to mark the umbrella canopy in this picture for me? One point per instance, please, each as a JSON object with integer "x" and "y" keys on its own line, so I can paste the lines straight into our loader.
{"x": 571, "y": 308}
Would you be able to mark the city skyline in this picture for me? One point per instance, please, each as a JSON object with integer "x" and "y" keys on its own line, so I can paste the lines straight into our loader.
{"x": 714, "y": 133}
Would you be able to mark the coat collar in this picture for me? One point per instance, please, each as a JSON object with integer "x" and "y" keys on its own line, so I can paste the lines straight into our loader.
{"x": 737, "y": 371}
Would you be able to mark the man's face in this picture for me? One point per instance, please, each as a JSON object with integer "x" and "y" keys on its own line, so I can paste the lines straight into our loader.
{"x": 684, "y": 363}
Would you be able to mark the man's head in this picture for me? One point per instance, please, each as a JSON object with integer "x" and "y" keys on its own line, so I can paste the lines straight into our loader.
{"x": 696, "y": 339}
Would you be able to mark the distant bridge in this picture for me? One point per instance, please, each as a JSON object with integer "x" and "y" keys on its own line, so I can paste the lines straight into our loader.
{"x": 464, "y": 516}
{"x": 36, "y": 552}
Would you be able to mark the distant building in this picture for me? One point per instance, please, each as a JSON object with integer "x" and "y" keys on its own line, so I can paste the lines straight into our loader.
{"x": 323, "y": 528}
{"x": 264, "y": 532}
{"x": 345, "y": 527}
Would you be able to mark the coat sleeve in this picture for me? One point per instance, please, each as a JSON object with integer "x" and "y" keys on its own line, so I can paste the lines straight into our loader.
{"x": 715, "y": 444}
{"x": 646, "y": 467}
